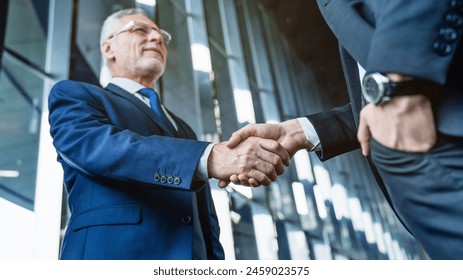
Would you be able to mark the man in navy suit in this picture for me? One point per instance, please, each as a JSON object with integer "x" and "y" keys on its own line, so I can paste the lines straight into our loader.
{"x": 135, "y": 190}
{"x": 405, "y": 112}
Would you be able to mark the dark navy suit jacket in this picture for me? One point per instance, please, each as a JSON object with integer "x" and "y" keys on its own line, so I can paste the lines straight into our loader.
{"x": 415, "y": 38}
{"x": 131, "y": 190}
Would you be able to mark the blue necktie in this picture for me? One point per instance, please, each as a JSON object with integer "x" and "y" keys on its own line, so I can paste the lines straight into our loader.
{"x": 158, "y": 112}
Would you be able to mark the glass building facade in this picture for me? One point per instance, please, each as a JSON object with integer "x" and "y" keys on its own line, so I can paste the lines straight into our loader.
{"x": 230, "y": 63}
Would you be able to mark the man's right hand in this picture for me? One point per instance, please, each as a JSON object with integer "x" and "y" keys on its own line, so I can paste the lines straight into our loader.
{"x": 260, "y": 159}
{"x": 289, "y": 134}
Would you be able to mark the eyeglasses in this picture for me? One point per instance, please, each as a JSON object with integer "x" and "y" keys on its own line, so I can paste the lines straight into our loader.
{"x": 142, "y": 29}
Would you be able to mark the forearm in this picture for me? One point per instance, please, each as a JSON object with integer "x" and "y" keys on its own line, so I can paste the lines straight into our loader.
{"x": 336, "y": 130}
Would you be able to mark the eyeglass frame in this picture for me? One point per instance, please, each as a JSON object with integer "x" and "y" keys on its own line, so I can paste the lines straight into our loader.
{"x": 165, "y": 35}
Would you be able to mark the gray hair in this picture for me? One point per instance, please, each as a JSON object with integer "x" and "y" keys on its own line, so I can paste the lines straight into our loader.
{"x": 112, "y": 19}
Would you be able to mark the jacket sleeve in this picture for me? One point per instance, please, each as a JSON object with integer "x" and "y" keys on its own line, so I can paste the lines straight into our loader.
{"x": 416, "y": 38}
{"x": 336, "y": 130}
{"x": 88, "y": 142}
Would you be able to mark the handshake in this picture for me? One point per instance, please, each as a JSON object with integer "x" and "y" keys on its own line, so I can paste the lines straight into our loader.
{"x": 256, "y": 154}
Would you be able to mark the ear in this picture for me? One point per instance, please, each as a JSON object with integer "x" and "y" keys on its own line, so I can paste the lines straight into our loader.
{"x": 107, "y": 50}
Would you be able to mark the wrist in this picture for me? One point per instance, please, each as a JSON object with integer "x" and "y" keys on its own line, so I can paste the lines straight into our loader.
{"x": 378, "y": 88}
{"x": 294, "y": 130}
{"x": 396, "y": 77}
{"x": 210, "y": 161}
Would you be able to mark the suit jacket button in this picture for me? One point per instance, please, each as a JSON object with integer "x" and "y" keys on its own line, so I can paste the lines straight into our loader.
{"x": 163, "y": 179}
{"x": 441, "y": 48}
{"x": 157, "y": 177}
{"x": 177, "y": 180}
{"x": 454, "y": 19}
{"x": 186, "y": 220}
{"x": 170, "y": 179}
{"x": 448, "y": 34}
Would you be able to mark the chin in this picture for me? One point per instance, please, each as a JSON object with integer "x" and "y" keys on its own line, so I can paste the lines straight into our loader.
{"x": 156, "y": 69}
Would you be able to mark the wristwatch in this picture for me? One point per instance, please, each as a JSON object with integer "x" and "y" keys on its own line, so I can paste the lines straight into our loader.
{"x": 378, "y": 88}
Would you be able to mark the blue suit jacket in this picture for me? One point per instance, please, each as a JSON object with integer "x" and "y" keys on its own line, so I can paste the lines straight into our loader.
{"x": 131, "y": 190}
{"x": 419, "y": 38}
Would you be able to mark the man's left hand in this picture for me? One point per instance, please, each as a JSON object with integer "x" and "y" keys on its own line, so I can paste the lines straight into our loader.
{"x": 404, "y": 123}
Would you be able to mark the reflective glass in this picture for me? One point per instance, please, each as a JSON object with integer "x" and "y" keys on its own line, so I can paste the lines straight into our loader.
{"x": 26, "y": 30}
{"x": 21, "y": 100}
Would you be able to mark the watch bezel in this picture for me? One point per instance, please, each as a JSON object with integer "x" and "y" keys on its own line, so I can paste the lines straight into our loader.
{"x": 380, "y": 80}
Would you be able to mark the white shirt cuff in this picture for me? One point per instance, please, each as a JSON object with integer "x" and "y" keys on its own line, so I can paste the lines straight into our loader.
{"x": 310, "y": 134}
{"x": 201, "y": 170}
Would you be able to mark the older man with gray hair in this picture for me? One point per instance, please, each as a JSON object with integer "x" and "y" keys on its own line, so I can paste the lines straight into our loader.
{"x": 135, "y": 174}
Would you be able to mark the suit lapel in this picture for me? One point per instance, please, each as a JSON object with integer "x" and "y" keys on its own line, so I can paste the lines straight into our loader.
{"x": 352, "y": 31}
{"x": 184, "y": 131}
{"x": 354, "y": 88}
{"x": 137, "y": 102}
{"x": 354, "y": 34}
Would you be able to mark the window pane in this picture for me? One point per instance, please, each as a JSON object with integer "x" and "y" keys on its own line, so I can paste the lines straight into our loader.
{"x": 21, "y": 100}
{"x": 26, "y": 29}
{"x": 19, "y": 130}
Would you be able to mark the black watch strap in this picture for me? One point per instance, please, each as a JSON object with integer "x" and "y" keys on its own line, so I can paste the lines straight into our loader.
{"x": 411, "y": 87}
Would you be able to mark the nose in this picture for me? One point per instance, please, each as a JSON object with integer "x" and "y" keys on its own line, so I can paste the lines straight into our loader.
{"x": 155, "y": 35}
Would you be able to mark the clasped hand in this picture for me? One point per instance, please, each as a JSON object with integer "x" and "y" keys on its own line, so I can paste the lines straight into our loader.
{"x": 260, "y": 159}
{"x": 282, "y": 140}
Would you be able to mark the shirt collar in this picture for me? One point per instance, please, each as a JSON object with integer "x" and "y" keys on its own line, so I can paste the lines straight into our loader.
{"x": 126, "y": 84}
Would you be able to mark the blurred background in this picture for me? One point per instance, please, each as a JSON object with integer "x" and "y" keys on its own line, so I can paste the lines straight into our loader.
{"x": 231, "y": 62}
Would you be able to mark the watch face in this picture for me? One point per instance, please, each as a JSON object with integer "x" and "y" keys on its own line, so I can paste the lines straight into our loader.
{"x": 372, "y": 89}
